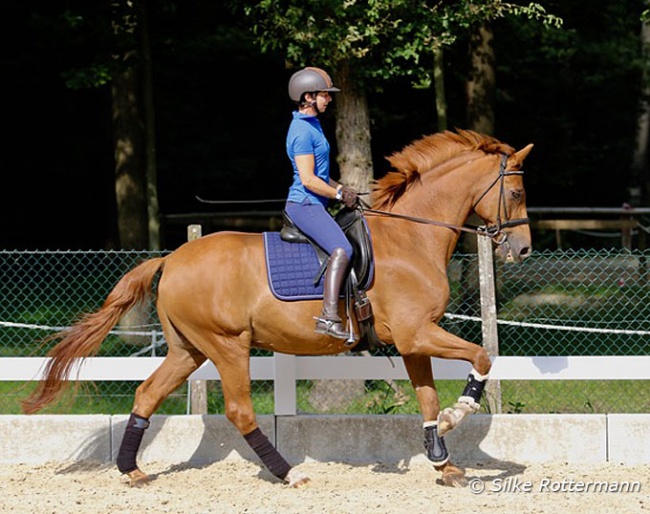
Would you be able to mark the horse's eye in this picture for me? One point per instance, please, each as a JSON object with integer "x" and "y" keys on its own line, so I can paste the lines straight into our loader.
{"x": 517, "y": 194}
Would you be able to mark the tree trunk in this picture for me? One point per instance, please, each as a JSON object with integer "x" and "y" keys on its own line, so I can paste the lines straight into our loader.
{"x": 153, "y": 211}
{"x": 439, "y": 85}
{"x": 128, "y": 131}
{"x": 481, "y": 81}
{"x": 352, "y": 132}
{"x": 640, "y": 183}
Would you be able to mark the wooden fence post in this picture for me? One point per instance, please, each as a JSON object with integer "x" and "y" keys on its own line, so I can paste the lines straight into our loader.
{"x": 198, "y": 388}
{"x": 489, "y": 316}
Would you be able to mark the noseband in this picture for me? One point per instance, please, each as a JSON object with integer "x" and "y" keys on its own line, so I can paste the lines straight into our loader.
{"x": 494, "y": 232}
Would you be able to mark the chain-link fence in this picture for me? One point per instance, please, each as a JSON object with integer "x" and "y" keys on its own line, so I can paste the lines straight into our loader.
{"x": 558, "y": 303}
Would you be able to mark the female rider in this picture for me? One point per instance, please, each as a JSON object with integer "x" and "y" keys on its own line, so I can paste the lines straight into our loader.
{"x": 312, "y": 188}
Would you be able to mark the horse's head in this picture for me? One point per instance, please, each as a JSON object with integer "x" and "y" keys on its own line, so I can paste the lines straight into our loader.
{"x": 501, "y": 204}
{"x": 491, "y": 175}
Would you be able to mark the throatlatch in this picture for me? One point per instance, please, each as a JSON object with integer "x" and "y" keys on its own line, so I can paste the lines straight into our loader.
{"x": 131, "y": 441}
{"x": 435, "y": 445}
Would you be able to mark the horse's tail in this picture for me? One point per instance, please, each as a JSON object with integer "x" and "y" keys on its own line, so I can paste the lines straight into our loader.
{"x": 84, "y": 338}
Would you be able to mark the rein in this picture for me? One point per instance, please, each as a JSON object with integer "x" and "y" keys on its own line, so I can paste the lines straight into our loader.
{"x": 494, "y": 232}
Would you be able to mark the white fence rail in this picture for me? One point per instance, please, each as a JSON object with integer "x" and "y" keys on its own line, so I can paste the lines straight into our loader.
{"x": 285, "y": 370}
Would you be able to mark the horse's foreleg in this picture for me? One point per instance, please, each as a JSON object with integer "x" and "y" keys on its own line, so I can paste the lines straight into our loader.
{"x": 172, "y": 373}
{"x": 421, "y": 375}
{"x": 448, "y": 346}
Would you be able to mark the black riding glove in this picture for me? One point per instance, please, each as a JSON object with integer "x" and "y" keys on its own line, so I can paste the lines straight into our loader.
{"x": 349, "y": 197}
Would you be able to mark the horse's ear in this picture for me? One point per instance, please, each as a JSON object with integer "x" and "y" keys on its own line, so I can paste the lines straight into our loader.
{"x": 521, "y": 154}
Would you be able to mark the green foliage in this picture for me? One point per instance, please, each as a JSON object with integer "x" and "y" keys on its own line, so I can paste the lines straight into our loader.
{"x": 385, "y": 398}
{"x": 534, "y": 11}
{"x": 85, "y": 78}
{"x": 516, "y": 407}
{"x": 383, "y": 39}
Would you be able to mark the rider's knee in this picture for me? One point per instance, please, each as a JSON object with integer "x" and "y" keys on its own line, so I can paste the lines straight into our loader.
{"x": 341, "y": 252}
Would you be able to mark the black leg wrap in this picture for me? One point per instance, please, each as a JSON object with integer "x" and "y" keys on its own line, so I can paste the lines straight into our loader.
{"x": 131, "y": 441}
{"x": 270, "y": 457}
{"x": 474, "y": 388}
{"x": 435, "y": 445}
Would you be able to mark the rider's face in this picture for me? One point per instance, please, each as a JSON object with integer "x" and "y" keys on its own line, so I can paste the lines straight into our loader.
{"x": 323, "y": 98}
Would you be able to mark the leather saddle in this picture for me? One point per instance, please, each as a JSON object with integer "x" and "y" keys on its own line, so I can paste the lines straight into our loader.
{"x": 361, "y": 273}
{"x": 354, "y": 227}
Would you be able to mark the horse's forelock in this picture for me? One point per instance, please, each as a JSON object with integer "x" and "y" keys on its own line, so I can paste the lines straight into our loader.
{"x": 425, "y": 154}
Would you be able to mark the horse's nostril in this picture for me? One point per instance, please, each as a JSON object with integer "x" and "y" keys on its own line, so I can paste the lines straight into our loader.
{"x": 525, "y": 252}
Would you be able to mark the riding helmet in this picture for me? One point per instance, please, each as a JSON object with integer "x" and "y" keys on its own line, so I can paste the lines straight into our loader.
{"x": 309, "y": 80}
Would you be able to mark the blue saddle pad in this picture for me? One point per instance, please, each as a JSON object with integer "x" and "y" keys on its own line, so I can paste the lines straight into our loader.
{"x": 292, "y": 268}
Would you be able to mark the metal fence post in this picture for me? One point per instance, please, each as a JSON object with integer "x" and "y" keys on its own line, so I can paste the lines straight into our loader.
{"x": 198, "y": 389}
{"x": 489, "y": 316}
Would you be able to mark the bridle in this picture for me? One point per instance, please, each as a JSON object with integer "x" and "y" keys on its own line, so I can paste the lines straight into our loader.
{"x": 494, "y": 232}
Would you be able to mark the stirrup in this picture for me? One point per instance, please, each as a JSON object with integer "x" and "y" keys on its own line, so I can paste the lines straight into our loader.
{"x": 331, "y": 327}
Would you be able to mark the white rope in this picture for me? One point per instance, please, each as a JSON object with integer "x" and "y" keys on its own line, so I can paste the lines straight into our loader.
{"x": 58, "y": 329}
{"x": 157, "y": 342}
{"x": 447, "y": 315}
{"x": 553, "y": 327}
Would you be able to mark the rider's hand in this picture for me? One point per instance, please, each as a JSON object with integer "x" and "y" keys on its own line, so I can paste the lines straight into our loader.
{"x": 349, "y": 197}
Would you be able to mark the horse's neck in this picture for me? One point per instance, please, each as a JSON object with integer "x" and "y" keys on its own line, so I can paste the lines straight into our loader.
{"x": 394, "y": 236}
{"x": 445, "y": 196}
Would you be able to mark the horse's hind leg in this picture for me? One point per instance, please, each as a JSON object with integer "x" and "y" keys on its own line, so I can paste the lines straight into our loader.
{"x": 421, "y": 375}
{"x": 175, "y": 369}
{"x": 232, "y": 359}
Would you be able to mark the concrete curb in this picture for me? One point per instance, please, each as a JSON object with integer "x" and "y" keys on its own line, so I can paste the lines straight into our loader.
{"x": 572, "y": 438}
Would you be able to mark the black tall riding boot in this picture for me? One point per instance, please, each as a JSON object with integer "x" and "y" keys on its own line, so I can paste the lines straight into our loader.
{"x": 330, "y": 323}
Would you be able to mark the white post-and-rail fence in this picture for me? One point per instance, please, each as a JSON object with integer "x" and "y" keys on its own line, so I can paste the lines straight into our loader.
{"x": 285, "y": 370}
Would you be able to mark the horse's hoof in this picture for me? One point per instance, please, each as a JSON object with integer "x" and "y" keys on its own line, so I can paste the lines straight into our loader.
{"x": 454, "y": 480}
{"x": 451, "y": 417}
{"x": 453, "y": 476}
{"x": 446, "y": 421}
{"x": 138, "y": 478}
{"x": 296, "y": 478}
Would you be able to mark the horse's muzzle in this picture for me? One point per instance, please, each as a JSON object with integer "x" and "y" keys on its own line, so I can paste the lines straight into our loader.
{"x": 514, "y": 249}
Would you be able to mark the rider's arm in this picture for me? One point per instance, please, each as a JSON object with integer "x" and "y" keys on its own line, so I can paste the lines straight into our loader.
{"x": 306, "y": 164}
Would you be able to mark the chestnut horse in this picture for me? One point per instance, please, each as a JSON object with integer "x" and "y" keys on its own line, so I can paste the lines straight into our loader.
{"x": 214, "y": 301}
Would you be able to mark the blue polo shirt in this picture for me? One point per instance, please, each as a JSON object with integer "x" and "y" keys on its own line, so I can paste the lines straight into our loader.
{"x": 305, "y": 136}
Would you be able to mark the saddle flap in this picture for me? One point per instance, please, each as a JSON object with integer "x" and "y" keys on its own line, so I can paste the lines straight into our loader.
{"x": 355, "y": 228}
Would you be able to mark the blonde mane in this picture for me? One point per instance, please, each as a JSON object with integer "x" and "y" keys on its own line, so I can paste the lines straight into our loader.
{"x": 425, "y": 154}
